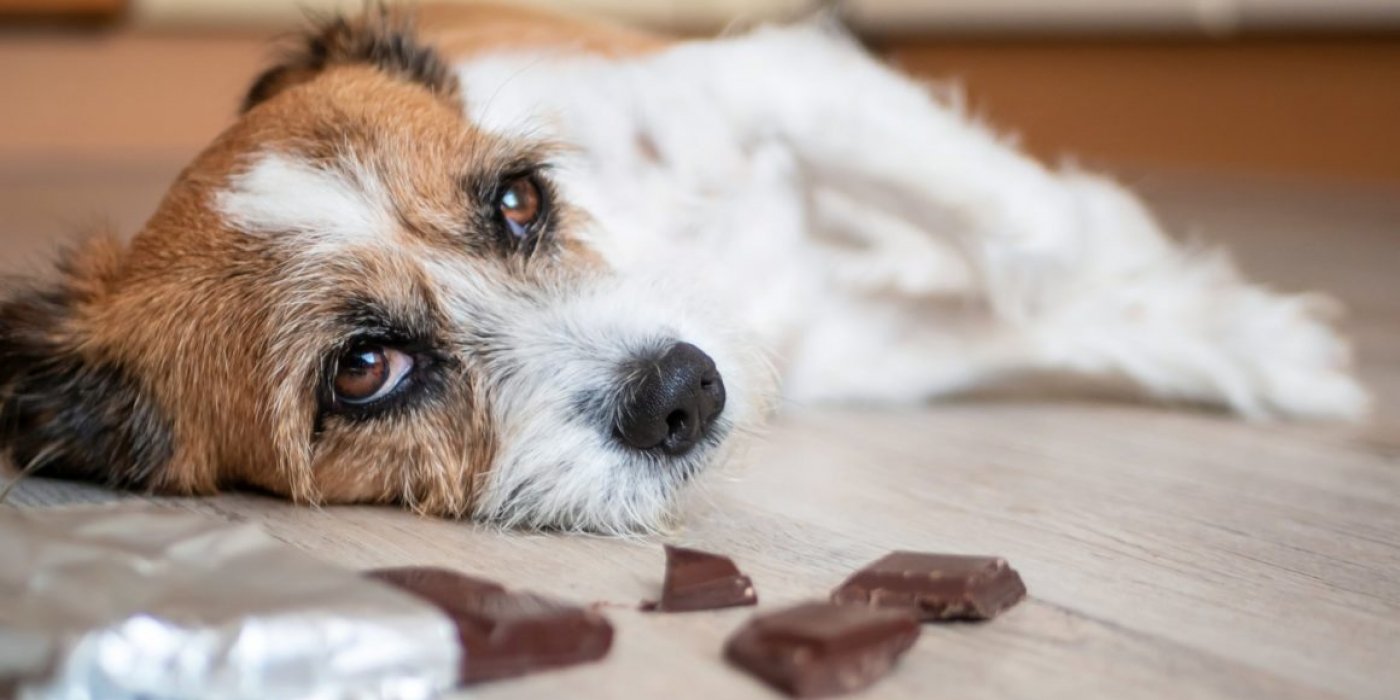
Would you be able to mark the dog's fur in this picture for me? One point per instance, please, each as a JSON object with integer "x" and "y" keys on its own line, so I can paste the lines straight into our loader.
{"x": 776, "y": 195}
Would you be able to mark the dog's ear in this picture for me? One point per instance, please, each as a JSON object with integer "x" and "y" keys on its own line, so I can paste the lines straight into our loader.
{"x": 382, "y": 37}
{"x": 69, "y": 408}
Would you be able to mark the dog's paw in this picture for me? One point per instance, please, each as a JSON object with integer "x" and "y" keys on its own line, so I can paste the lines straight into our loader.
{"x": 1293, "y": 363}
{"x": 1189, "y": 328}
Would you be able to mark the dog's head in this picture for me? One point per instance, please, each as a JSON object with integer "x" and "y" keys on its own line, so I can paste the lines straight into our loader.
{"x": 354, "y": 295}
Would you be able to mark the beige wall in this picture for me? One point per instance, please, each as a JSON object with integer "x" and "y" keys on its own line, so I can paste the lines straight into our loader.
{"x": 1212, "y": 16}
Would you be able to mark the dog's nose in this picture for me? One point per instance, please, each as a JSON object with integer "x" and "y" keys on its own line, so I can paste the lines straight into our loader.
{"x": 674, "y": 403}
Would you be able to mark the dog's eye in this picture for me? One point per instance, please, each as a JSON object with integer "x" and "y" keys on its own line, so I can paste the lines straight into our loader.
{"x": 520, "y": 205}
{"x": 367, "y": 373}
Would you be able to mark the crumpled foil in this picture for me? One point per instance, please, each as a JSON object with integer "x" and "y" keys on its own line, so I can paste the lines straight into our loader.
{"x": 125, "y": 601}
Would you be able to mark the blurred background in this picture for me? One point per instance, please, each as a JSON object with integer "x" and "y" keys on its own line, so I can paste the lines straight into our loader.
{"x": 1303, "y": 88}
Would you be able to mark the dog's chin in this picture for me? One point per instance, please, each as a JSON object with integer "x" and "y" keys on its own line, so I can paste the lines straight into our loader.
{"x": 599, "y": 488}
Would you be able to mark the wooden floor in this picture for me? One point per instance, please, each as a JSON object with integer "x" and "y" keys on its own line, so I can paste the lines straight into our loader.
{"x": 1168, "y": 554}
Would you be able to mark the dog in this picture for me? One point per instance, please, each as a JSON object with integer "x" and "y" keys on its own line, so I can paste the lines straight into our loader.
{"x": 544, "y": 272}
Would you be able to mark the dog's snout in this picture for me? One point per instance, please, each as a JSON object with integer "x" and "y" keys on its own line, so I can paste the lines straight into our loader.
{"x": 675, "y": 400}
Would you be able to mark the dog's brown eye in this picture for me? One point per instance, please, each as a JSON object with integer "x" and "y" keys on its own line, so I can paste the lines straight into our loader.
{"x": 368, "y": 373}
{"x": 520, "y": 205}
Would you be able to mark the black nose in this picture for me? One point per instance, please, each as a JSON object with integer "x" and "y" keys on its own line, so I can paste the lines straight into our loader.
{"x": 672, "y": 402}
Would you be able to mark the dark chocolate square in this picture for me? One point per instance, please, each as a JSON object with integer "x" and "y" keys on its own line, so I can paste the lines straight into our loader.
{"x": 697, "y": 580}
{"x": 505, "y": 633}
{"x": 820, "y": 649}
{"x": 940, "y": 586}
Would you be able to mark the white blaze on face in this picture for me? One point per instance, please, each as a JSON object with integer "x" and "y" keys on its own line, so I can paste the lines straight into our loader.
{"x": 281, "y": 193}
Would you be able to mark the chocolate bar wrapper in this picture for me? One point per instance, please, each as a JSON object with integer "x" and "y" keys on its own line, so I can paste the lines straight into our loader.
{"x": 124, "y": 601}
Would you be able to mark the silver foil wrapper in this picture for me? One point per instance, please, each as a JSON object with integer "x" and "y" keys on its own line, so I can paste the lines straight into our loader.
{"x": 117, "y": 602}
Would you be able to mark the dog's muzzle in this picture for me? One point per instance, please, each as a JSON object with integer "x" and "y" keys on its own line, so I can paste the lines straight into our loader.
{"x": 673, "y": 401}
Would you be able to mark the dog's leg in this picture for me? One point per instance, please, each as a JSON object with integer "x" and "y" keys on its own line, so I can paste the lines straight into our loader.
{"x": 1075, "y": 274}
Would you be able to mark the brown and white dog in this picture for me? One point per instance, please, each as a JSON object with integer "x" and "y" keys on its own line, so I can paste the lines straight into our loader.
{"x": 542, "y": 272}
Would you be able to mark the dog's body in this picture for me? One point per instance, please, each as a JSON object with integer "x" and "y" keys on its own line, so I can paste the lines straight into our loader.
{"x": 575, "y": 351}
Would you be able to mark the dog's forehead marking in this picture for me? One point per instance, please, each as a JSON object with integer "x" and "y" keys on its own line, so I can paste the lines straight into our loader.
{"x": 279, "y": 193}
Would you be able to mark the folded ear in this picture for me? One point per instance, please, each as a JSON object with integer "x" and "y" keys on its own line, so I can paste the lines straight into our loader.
{"x": 382, "y": 37}
{"x": 68, "y": 407}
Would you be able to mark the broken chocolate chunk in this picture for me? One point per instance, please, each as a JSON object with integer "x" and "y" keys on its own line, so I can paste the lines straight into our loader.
{"x": 939, "y": 586}
{"x": 505, "y": 633}
{"x": 697, "y": 580}
{"x": 820, "y": 649}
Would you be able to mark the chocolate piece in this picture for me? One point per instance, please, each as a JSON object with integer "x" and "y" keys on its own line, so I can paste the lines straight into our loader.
{"x": 820, "y": 649}
{"x": 940, "y": 586}
{"x": 502, "y": 633}
{"x": 697, "y": 580}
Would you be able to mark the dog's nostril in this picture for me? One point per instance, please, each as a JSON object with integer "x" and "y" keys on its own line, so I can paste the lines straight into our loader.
{"x": 676, "y": 422}
{"x": 674, "y": 403}
{"x": 680, "y": 431}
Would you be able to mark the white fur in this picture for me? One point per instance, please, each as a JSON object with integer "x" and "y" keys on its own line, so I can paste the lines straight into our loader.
{"x": 331, "y": 206}
{"x": 559, "y": 465}
{"x": 882, "y": 245}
